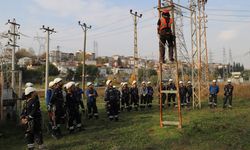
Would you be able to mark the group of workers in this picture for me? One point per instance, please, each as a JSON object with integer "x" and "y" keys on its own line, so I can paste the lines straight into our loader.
{"x": 168, "y": 92}
{"x": 65, "y": 103}
{"x": 127, "y": 98}
{"x": 228, "y": 94}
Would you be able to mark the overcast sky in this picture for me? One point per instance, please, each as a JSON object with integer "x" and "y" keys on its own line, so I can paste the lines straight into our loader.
{"x": 112, "y": 25}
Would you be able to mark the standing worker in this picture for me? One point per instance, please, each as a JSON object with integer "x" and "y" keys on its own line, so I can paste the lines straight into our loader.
{"x": 118, "y": 97}
{"x": 31, "y": 118}
{"x": 228, "y": 93}
{"x": 57, "y": 107}
{"x": 79, "y": 95}
{"x": 91, "y": 94}
{"x": 125, "y": 97}
{"x": 165, "y": 34}
{"x": 182, "y": 93}
{"x": 51, "y": 116}
{"x": 134, "y": 93}
{"x": 150, "y": 94}
{"x": 111, "y": 100}
{"x": 72, "y": 108}
{"x": 171, "y": 96}
{"x": 213, "y": 90}
{"x": 189, "y": 93}
{"x": 143, "y": 95}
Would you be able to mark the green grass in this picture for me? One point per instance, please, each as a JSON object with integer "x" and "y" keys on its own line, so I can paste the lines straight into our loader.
{"x": 203, "y": 129}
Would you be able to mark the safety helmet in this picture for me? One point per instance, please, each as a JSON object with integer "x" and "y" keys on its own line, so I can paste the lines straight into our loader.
{"x": 77, "y": 84}
{"x": 214, "y": 81}
{"x": 69, "y": 85}
{"x": 51, "y": 84}
{"x": 143, "y": 82}
{"x": 229, "y": 81}
{"x": 29, "y": 84}
{"x": 181, "y": 82}
{"x": 149, "y": 82}
{"x": 57, "y": 80}
{"x": 29, "y": 90}
{"x": 170, "y": 80}
{"x": 108, "y": 82}
{"x": 114, "y": 87}
{"x": 189, "y": 82}
{"x": 89, "y": 83}
{"x": 134, "y": 82}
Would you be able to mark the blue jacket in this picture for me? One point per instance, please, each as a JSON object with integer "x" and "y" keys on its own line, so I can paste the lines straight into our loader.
{"x": 91, "y": 99}
{"x": 49, "y": 94}
{"x": 214, "y": 89}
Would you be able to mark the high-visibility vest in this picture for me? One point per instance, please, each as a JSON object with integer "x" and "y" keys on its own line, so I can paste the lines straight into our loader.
{"x": 165, "y": 24}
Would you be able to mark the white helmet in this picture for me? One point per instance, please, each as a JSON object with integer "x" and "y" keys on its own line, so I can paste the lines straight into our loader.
{"x": 51, "y": 84}
{"x": 229, "y": 81}
{"x": 149, "y": 82}
{"x": 170, "y": 80}
{"x": 29, "y": 84}
{"x": 134, "y": 82}
{"x": 57, "y": 80}
{"x": 181, "y": 82}
{"x": 69, "y": 85}
{"x": 114, "y": 87}
{"x": 72, "y": 82}
{"x": 108, "y": 82}
{"x": 143, "y": 82}
{"x": 29, "y": 90}
{"x": 189, "y": 82}
{"x": 89, "y": 83}
{"x": 214, "y": 81}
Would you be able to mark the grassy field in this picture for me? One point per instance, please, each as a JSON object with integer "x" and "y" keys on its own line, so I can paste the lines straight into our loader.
{"x": 203, "y": 129}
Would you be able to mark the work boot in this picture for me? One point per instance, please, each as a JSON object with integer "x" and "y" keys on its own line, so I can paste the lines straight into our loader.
{"x": 230, "y": 106}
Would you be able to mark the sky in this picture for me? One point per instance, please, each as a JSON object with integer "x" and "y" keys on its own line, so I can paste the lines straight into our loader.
{"x": 112, "y": 26}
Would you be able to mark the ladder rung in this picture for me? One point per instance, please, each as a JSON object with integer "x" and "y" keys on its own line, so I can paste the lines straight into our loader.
{"x": 166, "y": 123}
{"x": 169, "y": 92}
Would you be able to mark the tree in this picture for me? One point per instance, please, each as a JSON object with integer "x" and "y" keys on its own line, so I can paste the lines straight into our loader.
{"x": 25, "y": 53}
{"x": 34, "y": 76}
{"x": 53, "y": 71}
{"x": 91, "y": 72}
{"x": 70, "y": 75}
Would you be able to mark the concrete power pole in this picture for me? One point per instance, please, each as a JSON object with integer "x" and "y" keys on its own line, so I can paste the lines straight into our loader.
{"x": 49, "y": 31}
{"x": 136, "y": 56}
{"x": 14, "y": 34}
{"x": 85, "y": 28}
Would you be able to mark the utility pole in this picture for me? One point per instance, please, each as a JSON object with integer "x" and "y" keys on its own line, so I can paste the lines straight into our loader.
{"x": 136, "y": 16}
{"x": 85, "y": 28}
{"x": 49, "y": 31}
{"x": 12, "y": 42}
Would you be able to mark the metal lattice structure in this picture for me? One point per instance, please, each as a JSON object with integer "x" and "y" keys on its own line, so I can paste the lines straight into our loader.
{"x": 200, "y": 70}
{"x": 203, "y": 55}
